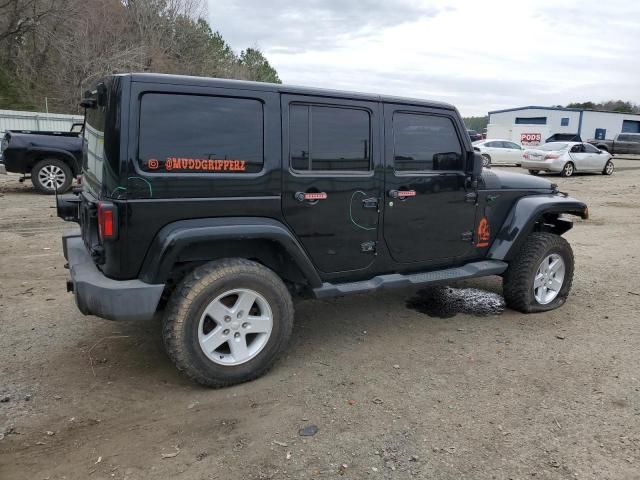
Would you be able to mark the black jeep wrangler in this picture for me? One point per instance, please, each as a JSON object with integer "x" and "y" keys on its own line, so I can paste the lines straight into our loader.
{"x": 220, "y": 201}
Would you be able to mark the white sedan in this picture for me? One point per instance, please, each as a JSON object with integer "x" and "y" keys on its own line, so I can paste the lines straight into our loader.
{"x": 499, "y": 151}
{"x": 567, "y": 158}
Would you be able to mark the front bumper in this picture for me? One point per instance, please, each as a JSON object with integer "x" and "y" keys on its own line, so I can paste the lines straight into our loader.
{"x": 554, "y": 165}
{"x": 104, "y": 297}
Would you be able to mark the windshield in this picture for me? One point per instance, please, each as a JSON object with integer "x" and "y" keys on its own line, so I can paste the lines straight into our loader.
{"x": 553, "y": 146}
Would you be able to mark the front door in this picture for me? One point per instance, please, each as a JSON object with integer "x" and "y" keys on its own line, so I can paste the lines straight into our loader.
{"x": 596, "y": 160}
{"x": 429, "y": 212}
{"x": 330, "y": 187}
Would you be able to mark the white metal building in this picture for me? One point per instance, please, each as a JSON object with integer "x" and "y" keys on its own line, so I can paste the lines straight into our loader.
{"x": 54, "y": 122}
{"x": 534, "y": 125}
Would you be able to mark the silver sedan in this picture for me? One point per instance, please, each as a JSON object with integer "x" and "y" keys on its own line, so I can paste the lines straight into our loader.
{"x": 567, "y": 158}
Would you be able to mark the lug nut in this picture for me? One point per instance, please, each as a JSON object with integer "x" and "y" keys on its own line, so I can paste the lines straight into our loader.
{"x": 236, "y": 335}
{"x": 240, "y": 314}
{"x": 227, "y": 318}
{"x": 245, "y": 325}
{"x": 225, "y": 331}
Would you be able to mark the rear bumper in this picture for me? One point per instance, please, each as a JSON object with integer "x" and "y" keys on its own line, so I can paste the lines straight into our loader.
{"x": 543, "y": 165}
{"x": 104, "y": 297}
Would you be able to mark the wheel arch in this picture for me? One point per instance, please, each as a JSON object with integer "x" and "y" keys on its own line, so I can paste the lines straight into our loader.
{"x": 534, "y": 213}
{"x": 180, "y": 246}
{"x": 36, "y": 155}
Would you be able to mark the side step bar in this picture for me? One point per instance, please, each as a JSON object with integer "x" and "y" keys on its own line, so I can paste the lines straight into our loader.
{"x": 396, "y": 280}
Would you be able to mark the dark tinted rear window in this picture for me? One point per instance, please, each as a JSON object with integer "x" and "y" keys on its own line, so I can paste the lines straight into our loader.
{"x": 94, "y": 138}
{"x": 329, "y": 138}
{"x": 425, "y": 142}
{"x": 200, "y": 134}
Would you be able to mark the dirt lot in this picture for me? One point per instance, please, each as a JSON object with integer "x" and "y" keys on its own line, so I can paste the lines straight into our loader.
{"x": 395, "y": 393}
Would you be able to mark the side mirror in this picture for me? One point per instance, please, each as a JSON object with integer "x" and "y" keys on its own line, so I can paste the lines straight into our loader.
{"x": 476, "y": 170}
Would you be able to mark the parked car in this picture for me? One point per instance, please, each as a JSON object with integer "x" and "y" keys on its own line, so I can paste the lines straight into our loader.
{"x": 220, "y": 201}
{"x": 474, "y": 136}
{"x": 624, "y": 143}
{"x": 495, "y": 151}
{"x": 567, "y": 158}
{"x": 50, "y": 159}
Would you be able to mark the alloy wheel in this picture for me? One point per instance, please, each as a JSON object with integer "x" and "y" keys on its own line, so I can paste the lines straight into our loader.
{"x": 549, "y": 279}
{"x": 609, "y": 168}
{"x": 235, "y": 327}
{"x": 51, "y": 177}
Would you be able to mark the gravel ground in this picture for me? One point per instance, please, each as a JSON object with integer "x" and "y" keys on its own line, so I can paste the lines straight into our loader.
{"x": 397, "y": 387}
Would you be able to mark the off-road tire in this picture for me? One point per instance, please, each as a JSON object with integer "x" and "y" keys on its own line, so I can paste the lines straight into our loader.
{"x": 534, "y": 172}
{"x": 606, "y": 170}
{"x": 486, "y": 160}
{"x": 191, "y": 297}
{"x": 35, "y": 172}
{"x": 568, "y": 170}
{"x": 518, "y": 279}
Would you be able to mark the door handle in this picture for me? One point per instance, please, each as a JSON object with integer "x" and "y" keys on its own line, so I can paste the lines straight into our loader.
{"x": 402, "y": 194}
{"x": 310, "y": 196}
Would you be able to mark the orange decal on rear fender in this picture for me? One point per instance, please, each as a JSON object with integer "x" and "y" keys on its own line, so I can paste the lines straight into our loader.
{"x": 484, "y": 233}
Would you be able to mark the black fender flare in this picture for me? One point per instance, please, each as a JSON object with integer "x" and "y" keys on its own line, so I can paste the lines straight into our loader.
{"x": 177, "y": 236}
{"x": 522, "y": 218}
{"x": 55, "y": 153}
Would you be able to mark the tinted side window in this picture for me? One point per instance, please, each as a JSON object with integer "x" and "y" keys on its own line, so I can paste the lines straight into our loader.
{"x": 329, "y": 138}
{"x": 511, "y": 145}
{"x": 628, "y": 138}
{"x": 199, "y": 134}
{"x": 590, "y": 148}
{"x": 94, "y": 138}
{"x": 425, "y": 142}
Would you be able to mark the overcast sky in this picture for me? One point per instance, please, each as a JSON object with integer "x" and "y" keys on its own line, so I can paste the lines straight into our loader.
{"x": 480, "y": 56}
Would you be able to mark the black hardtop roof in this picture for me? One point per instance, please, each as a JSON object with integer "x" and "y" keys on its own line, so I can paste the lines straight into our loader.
{"x": 276, "y": 87}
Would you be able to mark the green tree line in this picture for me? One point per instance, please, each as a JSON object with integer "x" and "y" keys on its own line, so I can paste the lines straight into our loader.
{"x": 56, "y": 49}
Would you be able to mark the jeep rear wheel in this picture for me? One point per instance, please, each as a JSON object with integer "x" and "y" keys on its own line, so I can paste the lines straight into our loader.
{"x": 540, "y": 278}
{"x": 51, "y": 174}
{"x": 227, "y": 322}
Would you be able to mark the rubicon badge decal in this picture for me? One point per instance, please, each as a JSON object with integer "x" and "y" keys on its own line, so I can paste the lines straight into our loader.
{"x": 484, "y": 233}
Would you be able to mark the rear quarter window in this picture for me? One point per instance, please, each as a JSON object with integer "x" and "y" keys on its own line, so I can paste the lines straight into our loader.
{"x": 94, "y": 138}
{"x": 200, "y": 134}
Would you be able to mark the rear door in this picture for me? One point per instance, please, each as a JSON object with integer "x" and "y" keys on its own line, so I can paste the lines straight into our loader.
{"x": 331, "y": 190}
{"x": 514, "y": 152}
{"x": 429, "y": 216}
{"x": 581, "y": 159}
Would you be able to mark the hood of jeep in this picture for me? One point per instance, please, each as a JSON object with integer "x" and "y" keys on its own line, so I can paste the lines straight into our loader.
{"x": 501, "y": 180}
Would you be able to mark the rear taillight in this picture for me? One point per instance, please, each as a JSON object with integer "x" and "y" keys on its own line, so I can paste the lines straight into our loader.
{"x": 525, "y": 155}
{"x": 551, "y": 156}
{"x": 107, "y": 226}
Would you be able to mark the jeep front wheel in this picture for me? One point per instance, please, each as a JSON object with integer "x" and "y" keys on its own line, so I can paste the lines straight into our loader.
{"x": 540, "y": 278}
{"x": 227, "y": 322}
